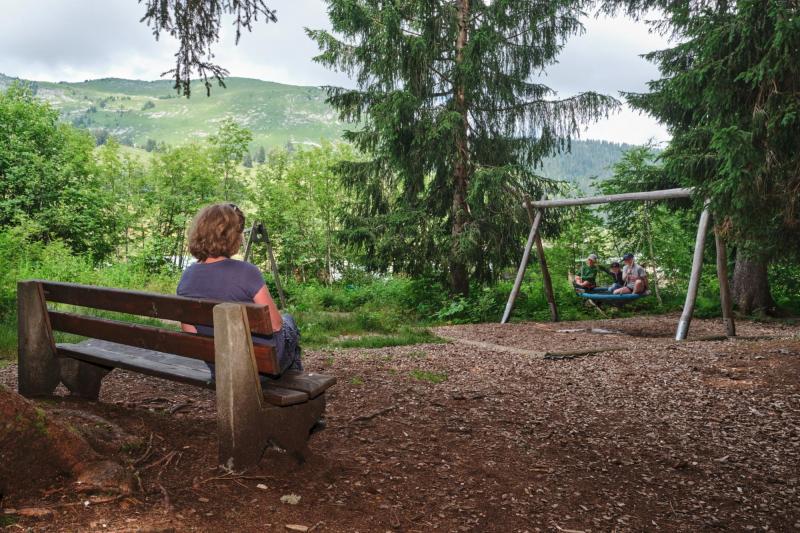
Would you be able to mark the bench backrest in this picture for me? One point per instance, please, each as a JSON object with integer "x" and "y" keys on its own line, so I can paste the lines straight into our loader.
{"x": 161, "y": 306}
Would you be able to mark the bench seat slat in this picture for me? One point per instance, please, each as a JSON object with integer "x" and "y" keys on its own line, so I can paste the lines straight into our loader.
{"x": 310, "y": 383}
{"x": 164, "y": 306}
{"x": 152, "y": 338}
{"x": 164, "y": 365}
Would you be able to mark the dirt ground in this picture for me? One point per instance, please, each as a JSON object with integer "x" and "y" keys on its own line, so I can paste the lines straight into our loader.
{"x": 484, "y": 433}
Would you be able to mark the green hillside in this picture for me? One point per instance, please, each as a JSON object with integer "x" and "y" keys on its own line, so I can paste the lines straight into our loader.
{"x": 586, "y": 161}
{"x": 137, "y": 112}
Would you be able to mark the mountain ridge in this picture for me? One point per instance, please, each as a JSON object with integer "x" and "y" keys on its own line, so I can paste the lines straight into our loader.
{"x": 145, "y": 113}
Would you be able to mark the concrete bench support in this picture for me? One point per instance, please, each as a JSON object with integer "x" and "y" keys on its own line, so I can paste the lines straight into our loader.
{"x": 246, "y": 425}
{"x": 38, "y": 367}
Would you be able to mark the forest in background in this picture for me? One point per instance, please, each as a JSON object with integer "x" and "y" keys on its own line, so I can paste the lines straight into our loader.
{"x": 448, "y": 130}
{"x": 71, "y": 210}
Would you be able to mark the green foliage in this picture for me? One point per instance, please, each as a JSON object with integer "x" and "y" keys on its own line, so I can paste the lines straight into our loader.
{"x": 230, "y": 144}
{"x": 586, "y": 161}
{"x": 298, "y": 196}
{"x": 179, "y": 183}
{"x": 730, "y": 94}
{"x": 48, "y": 178}
{"x": 452, "y": 123}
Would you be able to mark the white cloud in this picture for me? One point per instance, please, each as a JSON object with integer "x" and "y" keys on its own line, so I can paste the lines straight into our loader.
{"x": 57, "y": 40}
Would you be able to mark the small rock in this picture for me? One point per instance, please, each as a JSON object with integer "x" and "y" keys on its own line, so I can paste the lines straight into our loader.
{"x": 291, "y": 499}
{"x": 204, "y": 500}
{"x": 261, "y": 486}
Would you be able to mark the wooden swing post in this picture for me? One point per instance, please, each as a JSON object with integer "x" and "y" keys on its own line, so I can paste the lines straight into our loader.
{"x": 546, "y": 281}
{"x": 694, "y": 280}
{"x": 522, "y": 266}
{"x": 724, "y": 287}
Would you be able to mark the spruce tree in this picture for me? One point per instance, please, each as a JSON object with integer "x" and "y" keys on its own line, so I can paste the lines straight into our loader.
{"x": 730, "y": 95}
{"x": 196, "y": 25}
{"x": 452, "y": 112}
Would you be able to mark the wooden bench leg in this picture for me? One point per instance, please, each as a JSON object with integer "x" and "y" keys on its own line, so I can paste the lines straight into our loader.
{"x": 38, "y": 369}
{"x": 81, "y": 378}
{"x": 289, "y": 427}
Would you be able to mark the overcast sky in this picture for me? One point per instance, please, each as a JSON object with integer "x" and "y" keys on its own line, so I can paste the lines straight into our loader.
{"x": 74, "y": 40}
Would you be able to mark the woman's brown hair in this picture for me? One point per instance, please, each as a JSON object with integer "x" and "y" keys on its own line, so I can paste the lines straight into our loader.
{"x": 216, "y": 231}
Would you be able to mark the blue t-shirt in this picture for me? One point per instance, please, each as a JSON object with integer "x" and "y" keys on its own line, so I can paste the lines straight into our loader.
{"x": 230, "y": 280}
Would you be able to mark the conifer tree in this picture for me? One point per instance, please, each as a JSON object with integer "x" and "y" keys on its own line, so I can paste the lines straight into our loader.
{"x": 730, "y": 95}
{"x": 451, "y": 110}
{"x": 261, "y": 155}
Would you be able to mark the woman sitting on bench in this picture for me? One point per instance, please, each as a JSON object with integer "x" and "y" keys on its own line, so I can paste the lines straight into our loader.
{"x": 216, "y": 235}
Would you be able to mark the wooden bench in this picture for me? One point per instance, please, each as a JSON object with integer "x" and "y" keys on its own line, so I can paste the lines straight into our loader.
{"x": 250, "y": 415}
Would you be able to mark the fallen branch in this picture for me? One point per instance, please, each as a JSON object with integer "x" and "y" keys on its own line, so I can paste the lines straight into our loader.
{"x": 364, "y": 418}
{"x": 232, "y": 477}
{"x": 175, "y": 408}
{"x": 166, "y": 459}
{"x": 568, "y": 530}
{"x": 167, "y": 504}
{"x": 572, "y": 354}
{"x": 146, "y": 453}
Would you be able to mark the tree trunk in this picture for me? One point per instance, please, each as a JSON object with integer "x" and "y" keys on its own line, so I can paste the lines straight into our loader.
{"x": 459, "y": 276}
{"x": 35, "y": 449}
{"x": 751, "y": 286}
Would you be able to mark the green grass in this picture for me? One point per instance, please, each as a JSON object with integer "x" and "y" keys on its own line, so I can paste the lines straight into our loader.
{"x": 431, "y": 377}
{"x": 8, "y": 342}
{"x": 402, "y": 338}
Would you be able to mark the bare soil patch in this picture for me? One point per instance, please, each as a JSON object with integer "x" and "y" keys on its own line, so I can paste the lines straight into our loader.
{"x": 461, "y": 437}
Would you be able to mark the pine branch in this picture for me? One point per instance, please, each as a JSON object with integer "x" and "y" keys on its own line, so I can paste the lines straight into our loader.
{"x": 196, "y": 26}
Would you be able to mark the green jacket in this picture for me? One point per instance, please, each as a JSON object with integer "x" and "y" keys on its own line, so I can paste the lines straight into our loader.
{"x": 589, "y": 273}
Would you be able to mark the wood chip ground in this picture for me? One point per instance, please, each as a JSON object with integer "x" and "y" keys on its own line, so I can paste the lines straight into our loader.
{"x": 481, "y": 435}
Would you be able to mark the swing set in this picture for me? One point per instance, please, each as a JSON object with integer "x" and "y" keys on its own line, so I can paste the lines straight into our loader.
{"x": 697, "y": 260}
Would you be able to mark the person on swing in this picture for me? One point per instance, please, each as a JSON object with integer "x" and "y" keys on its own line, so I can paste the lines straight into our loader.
{"x": 586, "y": 278}
{"x": 634, "y": 277}
{"x": 616, "y": 274}
{"x": 215, "y": 236}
